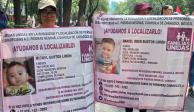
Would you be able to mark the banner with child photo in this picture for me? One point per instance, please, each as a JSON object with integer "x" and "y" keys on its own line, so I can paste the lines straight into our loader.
{"x": 142, "y": 61}
{"x": 47, "y": 70}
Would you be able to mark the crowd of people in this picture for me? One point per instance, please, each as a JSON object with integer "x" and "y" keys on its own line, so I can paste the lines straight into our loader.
{"x": 48, "y": 14}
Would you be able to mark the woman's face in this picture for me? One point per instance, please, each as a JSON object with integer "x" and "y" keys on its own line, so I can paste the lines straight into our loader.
{"x": 168, "y": 11}
{"x": 48, "y": 15}
{"x": 145, "y": 12}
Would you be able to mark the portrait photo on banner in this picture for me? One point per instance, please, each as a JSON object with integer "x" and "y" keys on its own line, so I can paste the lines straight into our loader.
{"x": 107, "y": 55}
{"x": 19, "y": 76}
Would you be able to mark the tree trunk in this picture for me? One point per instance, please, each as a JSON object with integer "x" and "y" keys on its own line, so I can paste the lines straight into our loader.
{"x": 60, "y": 9}
{"x": 17, "y": 12}
{"x": 66, "y": 12}
{"x": 92, "y": 9}
{"x": 81, "y": 14}
{"x": 6, "y": 6}
{"x": 26, "y": 9}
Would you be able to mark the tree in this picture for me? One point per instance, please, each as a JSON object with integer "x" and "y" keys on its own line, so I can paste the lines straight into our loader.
{"x": 32, "y": 7}
{"x": 66, "y": 12}
{"x": 83, "y": 10}
{"x": 81, "y": 14}
{"x": 183, "y": 4}
{"x": 191, "y": 5}
{"x": 93, "y": 4}
{"x": 17, "y": 12}
{"x": 60, "y": 9}
{"x": 96, "y": 6}
{"x": 74, "y": 11}
{"x": 103, "y": 5}
{"x": 127, "y": 6}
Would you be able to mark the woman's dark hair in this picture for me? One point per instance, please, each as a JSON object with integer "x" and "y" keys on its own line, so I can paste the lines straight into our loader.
{"x": 165, "y": 7}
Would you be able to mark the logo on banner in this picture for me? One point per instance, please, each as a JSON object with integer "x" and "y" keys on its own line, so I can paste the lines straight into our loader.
{"x": 179, "y": 39}
{"x": 86, "y": 48}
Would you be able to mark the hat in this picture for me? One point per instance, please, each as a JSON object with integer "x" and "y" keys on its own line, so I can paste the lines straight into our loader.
{"x": 44, "y": 3}
{"x": 142, "y": 6}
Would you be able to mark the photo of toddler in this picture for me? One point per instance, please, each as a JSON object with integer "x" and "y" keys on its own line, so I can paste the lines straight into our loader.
{"x": 105, "y": 63}
{"x": 18, "y": 78}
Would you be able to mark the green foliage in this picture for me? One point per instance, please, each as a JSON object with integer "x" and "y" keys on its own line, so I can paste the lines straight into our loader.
{"x": 22, "y": 26}
{"x": 103, "y": 5}
{"x": 184, "y": 6}
{"x": 127, "y": 6}
{"x": 74, "y": 10}
{"x": 10, "y": 24}
{"x": 157, "y": 6}
{"x": 190, "y": 5}
{"x": 32, "y": 7}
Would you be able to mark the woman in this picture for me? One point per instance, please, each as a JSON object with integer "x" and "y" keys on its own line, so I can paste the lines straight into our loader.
{"x": 141, "y": 9}
{"x": 47, "y": 13}
{"x": 167, "y": 10}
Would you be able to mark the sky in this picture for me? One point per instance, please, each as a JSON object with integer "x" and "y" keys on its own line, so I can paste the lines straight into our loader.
{"x": 112, "y": 7}
{"x": 117, "y": 0}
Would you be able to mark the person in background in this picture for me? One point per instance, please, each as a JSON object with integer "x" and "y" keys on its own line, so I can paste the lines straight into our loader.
{"x": 191, "y": 79}
{"x": 191, "y": 75}
{"x": 175, "y": 13}
{"x": 141, "y": 9}
{"x": 3, "y": 20}
{"x": 167, "y": 10}
{"x": 192, "y": 14}
{"x": 47, "y": 13}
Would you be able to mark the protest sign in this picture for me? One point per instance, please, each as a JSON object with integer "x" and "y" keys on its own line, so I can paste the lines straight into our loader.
{"x": 47, "y": 70}
{"x": 142, "y": 61}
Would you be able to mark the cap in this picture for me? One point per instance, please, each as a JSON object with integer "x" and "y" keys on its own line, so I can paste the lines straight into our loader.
{"x": 44, "y": 3}
{"x": 142, "y": 6}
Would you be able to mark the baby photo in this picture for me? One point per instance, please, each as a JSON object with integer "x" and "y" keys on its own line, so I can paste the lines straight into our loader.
{"x": 18, "y": 77}
{"x": 107, "y": 56}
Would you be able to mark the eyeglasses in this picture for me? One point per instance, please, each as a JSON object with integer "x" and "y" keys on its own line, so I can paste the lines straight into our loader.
{"x": 46, "y": 13}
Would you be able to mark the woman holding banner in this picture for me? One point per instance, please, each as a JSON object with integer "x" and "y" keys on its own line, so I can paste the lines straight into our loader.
{"x": 191, "y": 75}
{"x": 167, "y": 10}
{"x": 141, "y": 9}
{"x": 191, "y": 79}
{"x": 47, "y": 13}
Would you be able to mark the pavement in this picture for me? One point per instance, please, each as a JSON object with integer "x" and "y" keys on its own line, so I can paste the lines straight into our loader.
{"x": 189, "y": 107}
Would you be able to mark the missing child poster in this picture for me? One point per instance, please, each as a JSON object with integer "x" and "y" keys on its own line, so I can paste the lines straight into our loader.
{"x": 142, "y": 61}
{"x": 47, "y": 70}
